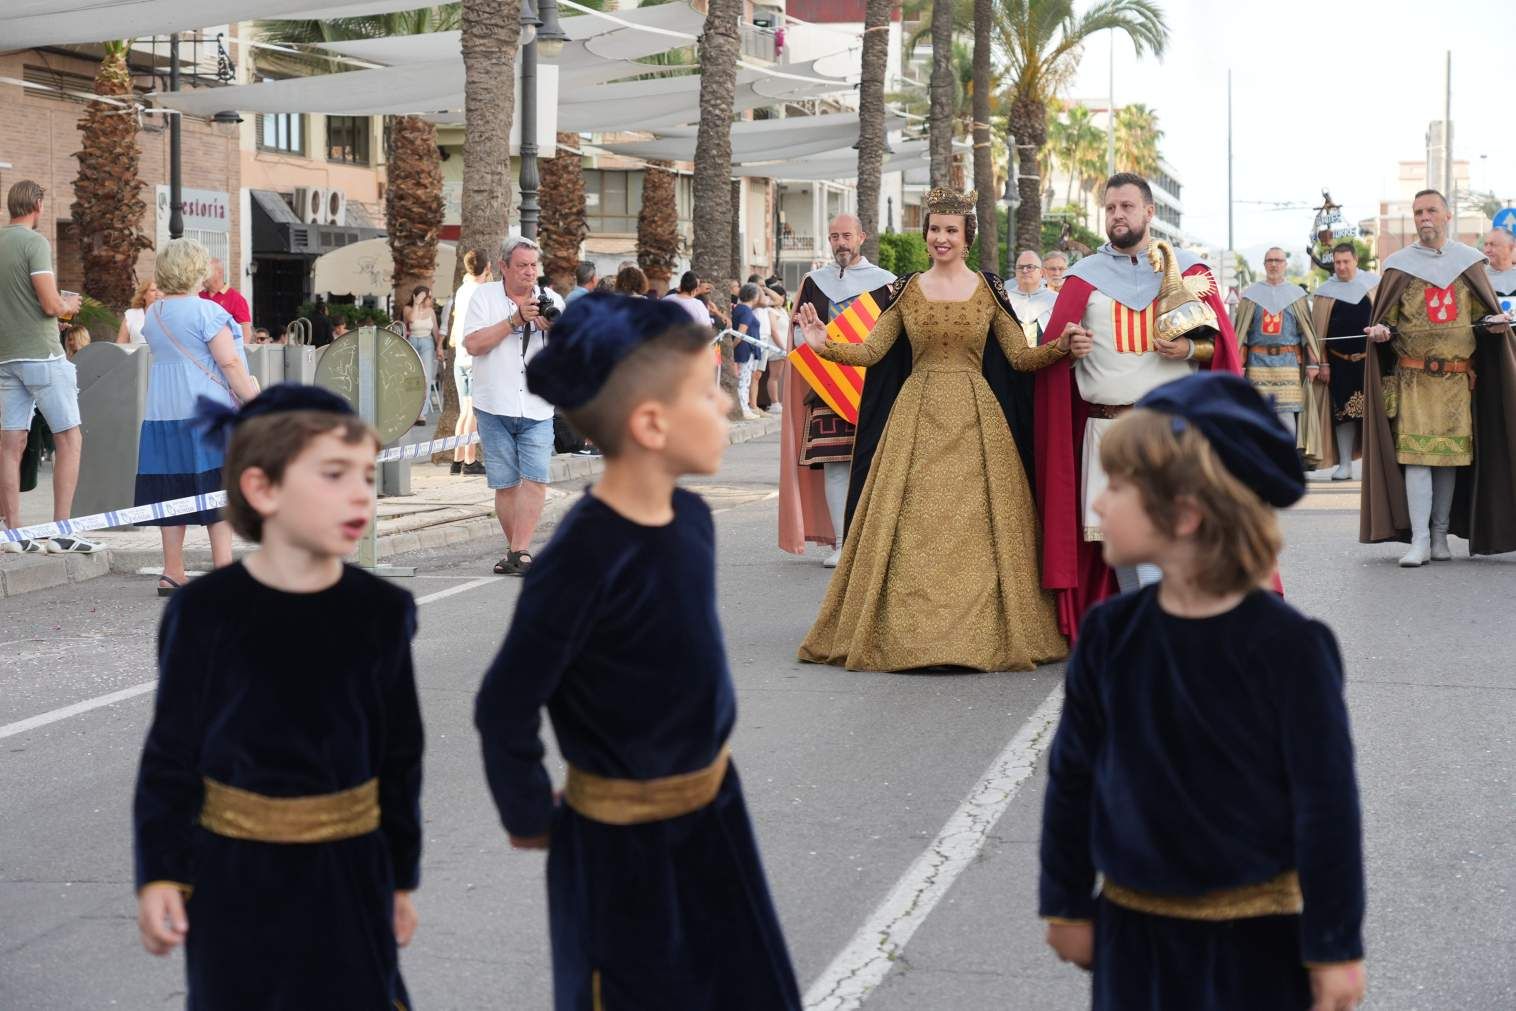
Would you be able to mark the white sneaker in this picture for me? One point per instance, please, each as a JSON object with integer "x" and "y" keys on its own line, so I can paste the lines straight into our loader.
{"x": 831, "y": 560}
{"x": 748, "y": 415}
{"x": 776, "y": 408}
{"x": 25, "y": 546}
{"x": 73, "y": 545}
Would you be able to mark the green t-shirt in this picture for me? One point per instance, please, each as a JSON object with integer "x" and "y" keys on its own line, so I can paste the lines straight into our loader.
{"x": 25, "y": 330}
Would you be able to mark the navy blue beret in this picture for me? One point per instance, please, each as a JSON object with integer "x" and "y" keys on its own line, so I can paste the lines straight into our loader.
{"x": 591, "y": 338}
{"x": 1241, "y": 427}
{"x": 218, "y": 420}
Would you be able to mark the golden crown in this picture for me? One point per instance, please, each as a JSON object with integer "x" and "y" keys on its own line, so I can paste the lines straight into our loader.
{"x": 942, "y": 200}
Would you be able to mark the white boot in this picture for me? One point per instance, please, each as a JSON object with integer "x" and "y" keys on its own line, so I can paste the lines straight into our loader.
{"x": 1418, "y": 499}
{"x": 1443, "y": 480}
{"x": 1346, "y": 432}
{"x": 836, "y": 478}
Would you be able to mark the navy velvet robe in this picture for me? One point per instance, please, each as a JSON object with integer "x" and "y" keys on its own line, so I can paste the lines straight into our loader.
{"x": 1196, "y": 755}
{"x": 286, "y": 695}
{"x": 616, "y": 633}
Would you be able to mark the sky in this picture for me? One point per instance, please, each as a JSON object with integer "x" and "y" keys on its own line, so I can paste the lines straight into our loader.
{"x": 1325, "y": 94}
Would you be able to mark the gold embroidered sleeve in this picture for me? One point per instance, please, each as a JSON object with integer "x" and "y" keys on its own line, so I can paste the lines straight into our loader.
{"x": 1013, "y": 342}
{"x": 874, "y": 347}
{"x": 1205, "y": 350}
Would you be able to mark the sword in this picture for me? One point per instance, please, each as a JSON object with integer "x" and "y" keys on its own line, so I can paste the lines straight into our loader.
{"x": 757, "y": 343}
{"x": 1487, "y": 324}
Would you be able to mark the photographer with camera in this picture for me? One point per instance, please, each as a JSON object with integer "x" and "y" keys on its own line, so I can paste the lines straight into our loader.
{"x": 506, "y": 325}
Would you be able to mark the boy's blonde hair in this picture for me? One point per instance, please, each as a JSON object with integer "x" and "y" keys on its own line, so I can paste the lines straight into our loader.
{"x": 1238, "y": 537}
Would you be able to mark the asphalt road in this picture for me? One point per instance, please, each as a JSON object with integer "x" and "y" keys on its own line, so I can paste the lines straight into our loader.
{"x": 849, "y": 776}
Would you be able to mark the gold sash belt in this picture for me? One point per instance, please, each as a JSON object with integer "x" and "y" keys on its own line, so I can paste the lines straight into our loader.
{"x": 325, "y": 817}
{"x": 1279, "y": 896}
{"x": 638, "y": 801}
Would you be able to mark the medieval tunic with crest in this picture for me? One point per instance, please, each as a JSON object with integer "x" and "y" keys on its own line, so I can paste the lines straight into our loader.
{"x": 1273, "y": 324}
{"x": 1340, "y": 311}
{"x": 803, "y": 513}
{"x": 1111, "y": 293}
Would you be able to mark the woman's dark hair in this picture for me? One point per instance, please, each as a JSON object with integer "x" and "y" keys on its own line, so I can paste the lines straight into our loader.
{"x": 417, "y": 292}
{"x": 969, "y": 225}
{"x": 688, "y": 282}
{"x": 631, "y": 281}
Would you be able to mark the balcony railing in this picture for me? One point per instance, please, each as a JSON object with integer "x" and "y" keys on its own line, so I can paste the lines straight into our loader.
{"x": 760, "y": 43}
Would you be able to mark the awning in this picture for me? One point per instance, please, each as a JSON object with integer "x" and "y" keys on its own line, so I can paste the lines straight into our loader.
{"x": 367, "y": 268}
{"x": 277, "y": 231}
{"x": 838, "y": 164}
{"x": 25, "y": 24}
{"x": 760, "y": 140}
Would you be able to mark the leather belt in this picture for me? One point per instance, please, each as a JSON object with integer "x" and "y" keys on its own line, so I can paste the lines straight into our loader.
{"x": 1109, "y": 411}
{"x": 1436, "y": 366}
{"x": 1360, "y": 356}
{"x": 1292, "y": 350}
{"x": 327, "y": 817}
{"x": 638, "y": 801}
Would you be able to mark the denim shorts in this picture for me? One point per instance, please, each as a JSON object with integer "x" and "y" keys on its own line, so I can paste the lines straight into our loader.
{"x": 51, "y": 387}
{"x": 515, "y": 449}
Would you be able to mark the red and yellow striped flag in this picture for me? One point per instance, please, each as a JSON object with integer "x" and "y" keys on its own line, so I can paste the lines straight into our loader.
{"x": 1132, "y": 329}
{"x": 839, "y": 386}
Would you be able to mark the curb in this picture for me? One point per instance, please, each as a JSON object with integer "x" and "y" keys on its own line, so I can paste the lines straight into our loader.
{"x": 22, "y": 574}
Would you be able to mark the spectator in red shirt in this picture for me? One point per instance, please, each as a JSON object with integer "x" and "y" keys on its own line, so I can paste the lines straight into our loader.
{"x": 228, "y": 298}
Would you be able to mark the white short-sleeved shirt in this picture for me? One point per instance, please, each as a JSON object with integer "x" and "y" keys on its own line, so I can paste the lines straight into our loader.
{"x": 500, "y": 374}
{"x": 695, "y": 307}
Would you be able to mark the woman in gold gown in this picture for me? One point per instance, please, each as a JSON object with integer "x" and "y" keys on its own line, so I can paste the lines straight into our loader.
{"x": 939, "y": 566}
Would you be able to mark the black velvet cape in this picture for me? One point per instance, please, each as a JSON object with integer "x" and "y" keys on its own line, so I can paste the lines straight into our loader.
{"x": 882, "y": 382}
{"x": 1194, "y": 755}
{"x": 616, "y": 632}
{"x": 286, "y": 695}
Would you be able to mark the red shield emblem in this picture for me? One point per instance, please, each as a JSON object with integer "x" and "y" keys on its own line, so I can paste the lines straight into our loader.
{"x": 1442, "y": 304}
{"x": 1273, "y": 323}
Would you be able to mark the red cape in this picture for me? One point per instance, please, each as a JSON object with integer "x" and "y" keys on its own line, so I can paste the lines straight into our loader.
{"x": 1071, "y": 566}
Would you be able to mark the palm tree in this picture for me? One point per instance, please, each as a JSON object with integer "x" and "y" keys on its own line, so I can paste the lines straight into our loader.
{"x": 1076, "y": 145}
{"x": 876, "y": 51}
{"x": 562, "y": 227}
{"x": 658, "y": 224}
{"x": 108, "y": 205}
{"x": 1043, "y": 40}
{"x": 1137, "y": 137}
{"x": 984, "y": 169}
{"x": 720, "y": 49}
{"x": 940, "y": 120}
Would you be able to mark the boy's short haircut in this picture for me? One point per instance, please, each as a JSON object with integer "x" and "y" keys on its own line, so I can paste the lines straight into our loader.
{"x": 1238, "y": 539}
{"x": 649, "y": 373}
{"x": 270, "y": 442}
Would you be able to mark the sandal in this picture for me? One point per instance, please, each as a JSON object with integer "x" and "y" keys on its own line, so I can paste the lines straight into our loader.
{"x": 515, "y": 563}
{"x": 173, "y": 584}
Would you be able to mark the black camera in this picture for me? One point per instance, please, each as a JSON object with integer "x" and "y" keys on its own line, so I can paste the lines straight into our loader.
{"x": 546, "y": 308}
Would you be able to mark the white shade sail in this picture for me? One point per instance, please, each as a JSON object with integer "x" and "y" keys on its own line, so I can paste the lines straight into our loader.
{"x": 366, "y": 268}
{"x": 25, "y": 24}
{"x": 837, "y": 164}
{"x": 760, "y": 140}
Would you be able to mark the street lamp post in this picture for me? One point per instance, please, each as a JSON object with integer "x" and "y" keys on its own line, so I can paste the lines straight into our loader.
{"x": 547, "y": 40}
{"x": 175, "y": 159}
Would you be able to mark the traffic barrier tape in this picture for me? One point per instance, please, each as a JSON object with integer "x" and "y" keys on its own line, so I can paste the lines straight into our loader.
{"x": 199, "y": 503}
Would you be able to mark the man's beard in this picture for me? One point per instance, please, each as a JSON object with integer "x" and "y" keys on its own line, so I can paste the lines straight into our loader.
{"x": 1133, "y": 239}
{"x": 844, "y": 258}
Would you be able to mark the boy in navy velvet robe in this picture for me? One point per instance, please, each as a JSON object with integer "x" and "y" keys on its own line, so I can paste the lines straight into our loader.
{"x": 1203, "y": 763}
{"x": 277, "y": 811}
{"x": 656, "y": 895}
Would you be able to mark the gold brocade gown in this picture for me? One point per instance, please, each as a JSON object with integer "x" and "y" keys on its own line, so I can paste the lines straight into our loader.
{"x": 939, "y": 568}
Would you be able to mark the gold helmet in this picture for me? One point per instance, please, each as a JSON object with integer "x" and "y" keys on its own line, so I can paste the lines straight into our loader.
{"x": 1179, "y": 310}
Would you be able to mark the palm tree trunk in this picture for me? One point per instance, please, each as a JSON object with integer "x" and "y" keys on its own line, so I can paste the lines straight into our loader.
{"x": 491, "y": 31}
{"x": 940, "y": 125}
{"x": 984, "y": 169}
{"x": 658, "y": 225}
{"x": 108, "y": 206}
{"x": 1029, "y": 127}
{"x": 876, "y": 51}
{"x": 563, "y": 227}
{"x": 413, "y": 203}
{"x": 720, "y": 49}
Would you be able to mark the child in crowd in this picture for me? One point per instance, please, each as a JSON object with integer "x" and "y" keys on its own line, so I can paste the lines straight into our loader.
{"x": 1203, "y": 763}
{"x": 277, "y": 813}
{"x": 74, "y": 338}
{"x": 656, "y": 894}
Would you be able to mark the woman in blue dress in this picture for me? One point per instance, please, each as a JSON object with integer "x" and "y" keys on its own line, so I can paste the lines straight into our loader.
{"x": 197, "y": 352}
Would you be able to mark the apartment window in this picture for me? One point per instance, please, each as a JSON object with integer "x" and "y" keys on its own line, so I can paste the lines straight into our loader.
{"x": 282, "y": 131}
{"x": 612, "y": 199}
{"x": 347, "y": 139}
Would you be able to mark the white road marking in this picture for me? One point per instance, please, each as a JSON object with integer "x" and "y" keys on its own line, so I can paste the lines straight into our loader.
{"x": 111, "y": 698}
{"x": 868, "y": 957}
